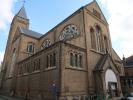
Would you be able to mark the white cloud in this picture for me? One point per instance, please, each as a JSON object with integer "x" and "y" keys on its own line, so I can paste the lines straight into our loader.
{"x": 121, "y": 25}
{"x": 6, "y": 14}
{"x": 1, "y": 56}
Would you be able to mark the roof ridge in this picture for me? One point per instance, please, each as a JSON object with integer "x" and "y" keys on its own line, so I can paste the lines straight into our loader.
{"x": 30, "y": 33}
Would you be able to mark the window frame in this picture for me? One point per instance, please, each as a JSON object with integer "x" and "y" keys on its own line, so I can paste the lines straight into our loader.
{"x": 74, "y": 60}
{"x": 99, "y": 39}
{"x": 30, "y": 45}
{"x": 93, "y": 38}
{"x": 68, "y": 32}
{"x": 51, "y": 60}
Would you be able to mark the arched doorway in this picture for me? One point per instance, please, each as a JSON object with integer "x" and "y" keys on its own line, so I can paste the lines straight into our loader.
{"x": 111, "y": 83}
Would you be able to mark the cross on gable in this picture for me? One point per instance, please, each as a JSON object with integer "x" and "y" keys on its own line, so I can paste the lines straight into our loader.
{"x": 23, "y": 2}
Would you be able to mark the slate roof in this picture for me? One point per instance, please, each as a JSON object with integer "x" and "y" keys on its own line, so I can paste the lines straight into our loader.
{"x": 30, "y": 33}
{"x": 22, "y": 13}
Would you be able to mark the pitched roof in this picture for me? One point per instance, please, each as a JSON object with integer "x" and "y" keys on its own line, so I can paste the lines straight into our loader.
{"x": 30, "y": 33}
{"x": 22, "y": 13}
{"x": 101, "y": 62}
{"x": 95, "y": 2}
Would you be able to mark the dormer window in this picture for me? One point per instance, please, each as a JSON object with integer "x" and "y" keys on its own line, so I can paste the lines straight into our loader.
{"x": 30, "y": 47}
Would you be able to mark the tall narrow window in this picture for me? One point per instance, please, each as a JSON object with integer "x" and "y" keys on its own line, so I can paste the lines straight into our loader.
{"x": 28, "y": 69}
{"x": 71, "y": 59}
{"x": 30, "y": 47}
{"x": 106, "y": 43}
{"x": 38, "y": 68}
{"x": 93, "y": 41}
{"x": 54, "y": 59}
{"x": 48, "y": 58}
{"x": 51, "y": 60}
{"x": 99, "y": 39}
{"x": 34, "y": 66}
{"x": 76, "y": 60}
{"x": 80, "y": 60}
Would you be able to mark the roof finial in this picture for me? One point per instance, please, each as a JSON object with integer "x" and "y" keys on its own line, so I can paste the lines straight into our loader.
{"x": 23, "y": 2}
{"x": 123, "y": 56}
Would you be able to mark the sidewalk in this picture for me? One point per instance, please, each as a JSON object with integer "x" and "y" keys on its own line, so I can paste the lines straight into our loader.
{"x": 10, "y": 98}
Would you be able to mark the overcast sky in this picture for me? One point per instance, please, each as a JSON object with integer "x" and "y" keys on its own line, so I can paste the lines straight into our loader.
{"x": 45, "y": 14}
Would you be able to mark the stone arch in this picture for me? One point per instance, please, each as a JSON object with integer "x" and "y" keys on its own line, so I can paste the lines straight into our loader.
{"x": 70, "y": 31}
{"x": 93, "y": 39}
{"x": 99, "y": 38}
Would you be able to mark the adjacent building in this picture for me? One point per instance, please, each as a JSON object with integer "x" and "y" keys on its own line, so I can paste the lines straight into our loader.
{"x": 73, "y": 61}
{"x": 127, "y": 80}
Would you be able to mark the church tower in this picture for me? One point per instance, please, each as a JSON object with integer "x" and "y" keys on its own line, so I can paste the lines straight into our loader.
{"x": 19, "y": 20}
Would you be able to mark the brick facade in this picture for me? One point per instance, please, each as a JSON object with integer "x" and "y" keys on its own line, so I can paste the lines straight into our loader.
{"x": 73, "y": 68}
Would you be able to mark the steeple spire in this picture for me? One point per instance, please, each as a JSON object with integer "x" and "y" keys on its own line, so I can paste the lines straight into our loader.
{"x": 23, "y": 2}
{"x": 22, "y": 13}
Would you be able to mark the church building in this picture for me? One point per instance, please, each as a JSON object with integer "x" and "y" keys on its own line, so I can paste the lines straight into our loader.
{"x": 73, "y": 61}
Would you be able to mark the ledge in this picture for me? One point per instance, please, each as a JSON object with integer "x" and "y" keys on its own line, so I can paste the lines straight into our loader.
{"x": 101, "y": 53}
{"x": 74, "y": 68}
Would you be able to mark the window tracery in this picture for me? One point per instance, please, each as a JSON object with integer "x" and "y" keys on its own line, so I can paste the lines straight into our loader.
{"x": 76, "y": 60}
{"x": 99, "y": 39}
{"x": 93, "y": 40}
{"x": 69, "y": 32}
{"x": 46, "y": 43}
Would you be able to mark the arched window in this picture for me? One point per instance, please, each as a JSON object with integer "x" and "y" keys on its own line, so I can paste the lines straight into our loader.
{"x": 48, "y": 61}
{"x": 71, "y": 59}
{"x": 80, "y": 61}
{"x": 93, "y": 41}
{"x": 46, "y": 43}
{"x": 69, "y": 32}
{"x": 54, "y": 59}
{"x": 99, "y": 39}
{"x": 76, "y": 60}
{"x": 30, "y": 47}
{"x": 51, "y": 60}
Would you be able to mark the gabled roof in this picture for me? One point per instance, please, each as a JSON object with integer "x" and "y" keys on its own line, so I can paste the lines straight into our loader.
{"x": 100, "y": 64}
{"x": 30, "y": 33}
{"x": 22, "y": 13}
{"x": 100, "y": 11}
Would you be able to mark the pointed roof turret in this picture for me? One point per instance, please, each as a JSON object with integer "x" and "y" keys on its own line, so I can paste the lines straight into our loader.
{"x": 22, "y": 13}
